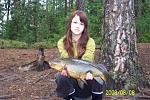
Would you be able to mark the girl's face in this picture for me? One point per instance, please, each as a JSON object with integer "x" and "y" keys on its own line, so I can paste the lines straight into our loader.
{"x": 77, "y": 26}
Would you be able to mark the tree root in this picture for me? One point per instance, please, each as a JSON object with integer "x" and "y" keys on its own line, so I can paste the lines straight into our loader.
{"x": 41, "y": 78}
{"x": 142, "y": 97}
{"x": 7, "y": 96}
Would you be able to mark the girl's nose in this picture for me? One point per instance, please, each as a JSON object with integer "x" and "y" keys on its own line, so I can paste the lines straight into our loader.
{"x": 78, "y": 25}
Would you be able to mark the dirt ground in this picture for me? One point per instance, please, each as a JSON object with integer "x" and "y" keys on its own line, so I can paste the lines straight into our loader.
{"x": 32, "y": 85}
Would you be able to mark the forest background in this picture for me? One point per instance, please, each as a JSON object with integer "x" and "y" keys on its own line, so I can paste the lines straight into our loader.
{"x": 34, "y": 23}
{"x": 27, "y": 24}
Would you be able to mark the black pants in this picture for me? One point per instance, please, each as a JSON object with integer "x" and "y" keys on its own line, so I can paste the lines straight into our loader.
{"x": 66, "y": 85}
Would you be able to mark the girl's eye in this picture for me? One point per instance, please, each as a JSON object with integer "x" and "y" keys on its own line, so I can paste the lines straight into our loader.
{"x": 75, "y": 22}
{"x": 82, "y": 24}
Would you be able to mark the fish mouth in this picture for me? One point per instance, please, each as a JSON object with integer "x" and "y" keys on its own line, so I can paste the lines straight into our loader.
{"x": 56, "y": 67}
{"x": 52, "y": 64}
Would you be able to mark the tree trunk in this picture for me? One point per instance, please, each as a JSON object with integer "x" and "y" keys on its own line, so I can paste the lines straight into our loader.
{"x": 23, "y": 7}
{"x": 119, "y": 49}
{"x": 47, "y": 20}
{"x": 71, "y": 4}
{"x": 138, "y": 14}
{"x": 80, "y": 5}
{"x": 65, "y": 8}
{"x": 8, "y": 9}
{"x": 35, "y": 21}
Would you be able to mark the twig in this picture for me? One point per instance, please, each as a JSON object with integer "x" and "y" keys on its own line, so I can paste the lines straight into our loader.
{"x": 41, "y": 78}
{"x": 147, "y": 93}
{"x": 7, "y": 96}
{"x": 7, "y": 67}
{"x": 142, "y": 97}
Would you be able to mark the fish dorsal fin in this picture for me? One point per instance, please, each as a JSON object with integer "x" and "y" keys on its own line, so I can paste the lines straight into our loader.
{"x": 81, "y": 83}
{"x": 102, "y": 67}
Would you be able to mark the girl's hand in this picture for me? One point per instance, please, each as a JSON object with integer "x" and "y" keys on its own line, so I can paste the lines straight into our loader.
{"x": 89, "y": 76}
{"x": 64, "y": 71}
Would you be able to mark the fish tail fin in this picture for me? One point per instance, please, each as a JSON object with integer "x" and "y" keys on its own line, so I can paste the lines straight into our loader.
{"x": 110, "y": 83}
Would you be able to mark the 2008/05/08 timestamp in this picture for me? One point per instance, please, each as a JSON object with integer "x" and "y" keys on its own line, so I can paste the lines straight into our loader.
{"x": 120, "y": 92}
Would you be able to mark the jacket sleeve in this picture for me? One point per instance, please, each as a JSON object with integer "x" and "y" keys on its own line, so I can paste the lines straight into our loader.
{"x": 62, "y": 51}
{"x": 90, "y": 50}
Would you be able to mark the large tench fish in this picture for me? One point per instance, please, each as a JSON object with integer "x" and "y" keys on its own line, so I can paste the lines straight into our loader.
{"x": 78, "y": 69}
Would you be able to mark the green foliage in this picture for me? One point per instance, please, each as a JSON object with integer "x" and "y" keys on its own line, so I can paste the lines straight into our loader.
{"x": 12, "y": 44}
{"x": 51, "y": 43}
{"x": 142, "y": 23}
{"x": 18, "y": 44}
{"x": 47, "y": 43}
{"x": 94, "y": 12}
{"x": 32, "y": 23}
{"x": 43, "y": 44}
{"x": 145, "y": 38}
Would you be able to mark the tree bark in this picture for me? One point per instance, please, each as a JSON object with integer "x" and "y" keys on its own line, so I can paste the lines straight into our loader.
{"x": 8, "y": 9}
{"x": 80, "y": 5}
{"x": 138, "y": 14}
{"x": 35, "y": 21}
{"x": 119, "y": 48}
{"x": 71, "y": 4}
{"x": 65, "y": 8}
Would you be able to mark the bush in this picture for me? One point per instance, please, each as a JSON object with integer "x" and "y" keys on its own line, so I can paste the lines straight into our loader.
{"x": 43, "y": 44}
{"x": 145, "y": 38}
{"x": 12, "y": 44}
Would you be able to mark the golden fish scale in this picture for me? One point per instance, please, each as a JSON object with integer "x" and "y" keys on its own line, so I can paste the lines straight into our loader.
{"x": 76, "y": 71}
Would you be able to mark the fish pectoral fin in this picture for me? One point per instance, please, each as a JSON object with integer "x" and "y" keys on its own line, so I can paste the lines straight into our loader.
{"x": 99, "y": 80}
{"x": 81, "y": 83}
{"x": 84, "y": 81}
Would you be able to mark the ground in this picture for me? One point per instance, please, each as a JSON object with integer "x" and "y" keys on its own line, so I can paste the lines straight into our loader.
{"x": 32, "y": 85}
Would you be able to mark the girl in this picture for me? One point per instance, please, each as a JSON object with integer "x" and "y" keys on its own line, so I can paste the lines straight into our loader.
{"x": 77, "y": 44}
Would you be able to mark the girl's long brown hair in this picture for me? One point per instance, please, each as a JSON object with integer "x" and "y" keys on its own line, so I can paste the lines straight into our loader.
{"x": 83, "y": 39}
